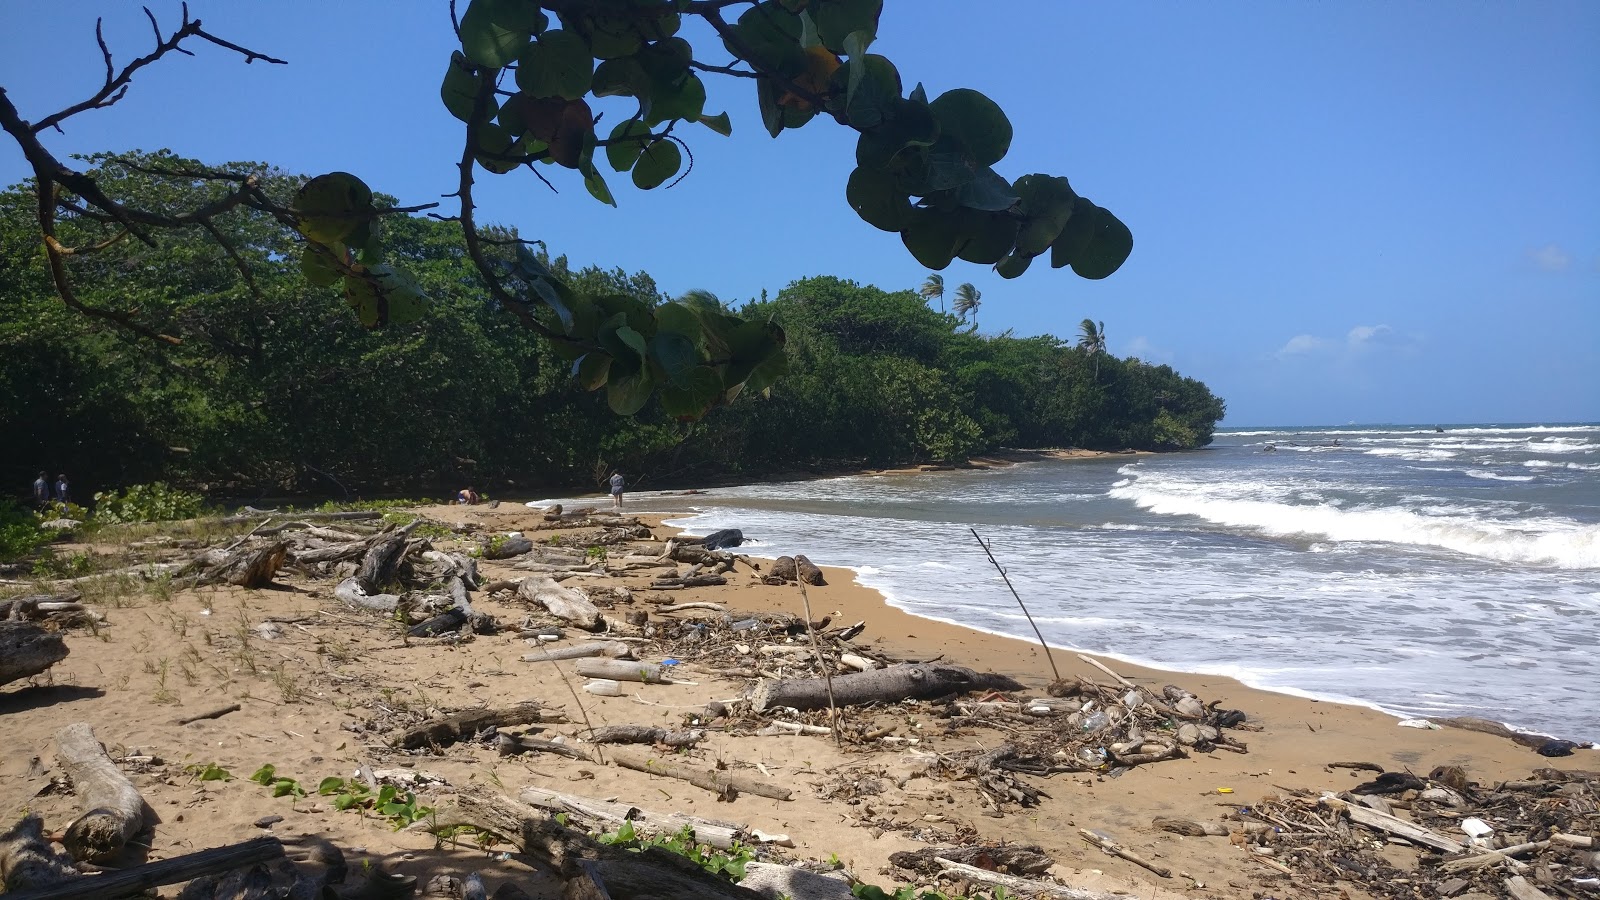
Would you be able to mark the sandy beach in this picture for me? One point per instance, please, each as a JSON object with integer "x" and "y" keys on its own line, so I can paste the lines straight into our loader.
{"x": 321, "y": 687}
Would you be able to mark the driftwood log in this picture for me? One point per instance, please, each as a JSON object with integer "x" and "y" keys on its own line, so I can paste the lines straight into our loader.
{"x": 27, "y": 649}
{"x": 689, "y": 581}
{"x": 506, "y": 547}
{"x": 114, "y": 811}
{"x": 716, "y": 540}
{"x": 465, "y": 725}
{"x": 38, "y": 606}
{"x": 613, "y": 649}
{"x": 722, "y": 783}
{"x": 593, "y": 870}
{"x": 381, "y": 564}
{"x": 141, "y": 878}
{"x": 607, "y": 815}
{"x": 512, "y": 744}
{"x": 29, "y": 860}
{"x": 1025, "y": 887}
{"x": 918, "y": 681}
{"x": 645, "y": 734}
{"x": 621, "y": 670}
{"x": 796, "y": 568}
{"x": 1015, "y": 858}
{"x": 567, "y": 604}
{"x": 247, "y": 567}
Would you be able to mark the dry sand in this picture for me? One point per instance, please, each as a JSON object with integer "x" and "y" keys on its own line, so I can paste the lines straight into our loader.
{"x": 316, "y": 700}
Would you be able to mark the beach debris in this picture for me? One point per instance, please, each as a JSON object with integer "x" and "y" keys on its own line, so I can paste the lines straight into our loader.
{"x": 28, "y": 860}
{"x": 610, "y": 814}
{"x": 927, "y": 681}
{"x": 1543, "y": 744}
{"x": 465, "y": 725}
{"x": 242, "y": 862}
{"x": 113, "y": 809}
{"x": 27, "y": 649}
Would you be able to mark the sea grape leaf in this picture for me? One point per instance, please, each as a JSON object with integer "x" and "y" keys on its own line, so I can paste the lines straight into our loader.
{"x": 658, "y": 162}
{"x": 976, "y": 121}
{"x": 558, "y": 64}
{"x": 626, "y": 143}
{"x": 1108, "y": 248}
{"x": 489, "y": 42}
{"x": 330, "y": 207}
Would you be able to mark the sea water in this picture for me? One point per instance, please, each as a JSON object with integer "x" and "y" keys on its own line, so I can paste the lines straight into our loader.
{"x": 1423, "y": 572}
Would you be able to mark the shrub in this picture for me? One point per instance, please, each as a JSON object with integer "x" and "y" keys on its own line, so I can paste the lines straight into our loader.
{"x": 154, "y": 502}
{"x": 20, "y": 534}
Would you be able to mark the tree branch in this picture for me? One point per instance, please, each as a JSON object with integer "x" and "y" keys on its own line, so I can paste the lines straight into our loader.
{"x": 117, "y": 85}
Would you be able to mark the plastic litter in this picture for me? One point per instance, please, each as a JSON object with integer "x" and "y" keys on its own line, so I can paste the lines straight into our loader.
{"x": 604, "y": 687}
{"x": 1417, "y": 723}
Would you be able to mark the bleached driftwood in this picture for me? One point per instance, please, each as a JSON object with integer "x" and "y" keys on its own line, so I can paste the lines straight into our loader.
{"x": 614, "y": 649}
{"x": 450, "y": 729}
{"x": 919, "y": 681}
{"x": 1025, "y": 887}
{"x": 351, "y": 592}
{"x": 720, "y": 782}
{"x": 1115, "y": 849}
{"x": 621, "y": 670}
{"x": 29, "y": 860}
{"x": 138, "y": 879}
{"x": 114, "y": 812}
{"x": 570, "y": 605}
{"x": 645, "y": 734}
{"x": 720, "y": 835}
{"x": 1392, "y": 825}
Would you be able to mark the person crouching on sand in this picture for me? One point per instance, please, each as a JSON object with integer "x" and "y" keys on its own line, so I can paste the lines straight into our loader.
{"x": 616, "y": 492}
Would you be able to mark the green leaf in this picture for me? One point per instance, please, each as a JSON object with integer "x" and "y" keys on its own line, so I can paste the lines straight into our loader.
{"x": 460, "y": 89}
{"x": 684, "y": 99}
{"x": 718, "y": 123}
{"x": 264, "y": 775}
{"x": 932, "y": 237}
{"x": 836, "y": 19}
{"x": 987, "y": 191}
{"x": 872, "y": 91}
{"x": 487, "y": 42}
{"x": 626, "y": 143}
{"x": 976, "y": 121}
{"x": 517, "y": 15}
{"x": 692, "y": 393}
{"x": 674, "y": 352}
{"x": 493, "y": 143}
{"x": 1076, "y": 234}
{"x": 345, "y": 801}
{"x": 628, "y": 394}
{"x": 658, "y": 162}
{"x": 592, "y": 369}
{"x": 1107, "y": 250}
{"x": 558, "y": 64}
{"x": 329, "y": 785}
{"x": 768, "y": 36}
{"x": 910, "y": 125}
{"x": 621, "y": 78}
{"x": 595, "y": 184}
{"x": 1047, "y": 203}
{"x": 331, "y": 206}
{"x": 874, "y": 197}
{"x": 989, "y": 236}
{"x": 1012, "y": 266}
{"x": 318, "y": 265}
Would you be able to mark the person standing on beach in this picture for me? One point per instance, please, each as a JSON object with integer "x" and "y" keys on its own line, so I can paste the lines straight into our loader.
{"x": 61, "y": 489}
{"x": 41, "y": 491}
{"x": 616, "y": 492}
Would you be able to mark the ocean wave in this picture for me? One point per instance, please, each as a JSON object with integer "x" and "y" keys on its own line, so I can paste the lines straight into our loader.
{"x": 1378, "y": 431}
{"x": 1490, "y": 476}
{"x": 1419, "y": 455}
{"x": 1561, "y": 464}
{"x": 1556, "y": 542}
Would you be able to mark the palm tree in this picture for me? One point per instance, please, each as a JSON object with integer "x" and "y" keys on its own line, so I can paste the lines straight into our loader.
{"x": 968, "y": 299}
{"x": 933, "y": 289}
{"x": 1092, "y": 340}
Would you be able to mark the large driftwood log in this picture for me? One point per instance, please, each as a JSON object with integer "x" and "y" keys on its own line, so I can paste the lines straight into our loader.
{"x": 250, "y": 514}
{"x": 114, "y": 812}
{"x": 567, "y": 604}
{"x": 920, "y": 681}
{"x": 808, "y": 571}
{"x": 607, "y": 815}
{"x": 506, "y": 546}
{"x": 621, "y": 670}
{"x": 247, "y": 567}
{"x": 672, "y": 584}
{"x": 613, "y": 649}
{"x": 381, "y": 564}
{"x": 645, "y": 734}
{"x": 1381, "y": 822}
{"x": 351, "y": 592}
{"x": 27, "y": 649}
{"x": 1017, "y": 858}
{"x": 716, "y": 540}
{"x": 28, "y": 860}
{"x": 464, "y": 725}
{"x": 37, "y": 606}
{"x": 141, "y": 878}
{"x": 651, "y": 874}
{"x": 723, "y": 783}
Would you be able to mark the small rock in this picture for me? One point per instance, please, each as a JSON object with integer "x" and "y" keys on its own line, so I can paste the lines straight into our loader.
{"x": 268, "y": 821}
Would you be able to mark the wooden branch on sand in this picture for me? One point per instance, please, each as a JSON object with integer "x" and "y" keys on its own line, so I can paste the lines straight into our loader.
{"x": 29, "y": 860}
{"x": 570, "y": 605}
{"x": 645, "y": 734}
{"x": 607, "y": 815}
{"x": 613, "y": 649}
{"x": 1024, "y": 887}
{"x": 214, "y": 713}
{"x": 592, "y": 870}
{"x": 920, "y": 681}
{"x": 1116, "y": 849}
{"x": 114, "y": 811}
{"x": 621, "y": 670}
{"x": 1399, "y": 827}
{"x": 252, "y": 568}
{"x": 724, "y": 784}
{"x": 465, "y": 725}
{"x": 141, "y": 878}
{"x": 27, "y": 649}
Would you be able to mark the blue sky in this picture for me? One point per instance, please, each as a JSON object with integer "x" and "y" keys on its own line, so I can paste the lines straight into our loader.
{"x": 1354, "y": 211}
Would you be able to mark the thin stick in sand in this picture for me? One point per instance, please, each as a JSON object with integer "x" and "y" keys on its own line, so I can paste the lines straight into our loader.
{"x": 996, "y": 563}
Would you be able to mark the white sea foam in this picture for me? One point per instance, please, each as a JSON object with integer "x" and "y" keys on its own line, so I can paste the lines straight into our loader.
{"x": 1561, "y": 464}
{"x": 1490, "y": 476}
{"x": 1557, "y": 542}
{"x": 1419, "y": 455}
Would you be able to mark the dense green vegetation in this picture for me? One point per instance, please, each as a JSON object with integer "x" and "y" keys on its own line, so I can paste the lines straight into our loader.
{"x": 279, "y": 389}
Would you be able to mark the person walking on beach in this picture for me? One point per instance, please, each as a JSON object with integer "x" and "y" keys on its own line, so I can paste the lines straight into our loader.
{"x": 41, "y": 491}
{"x": 61, "y": 489}
{"x": 616, "y": 492}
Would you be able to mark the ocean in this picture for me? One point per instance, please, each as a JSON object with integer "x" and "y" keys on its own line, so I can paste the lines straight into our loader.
{"x": 1421, "y": 572}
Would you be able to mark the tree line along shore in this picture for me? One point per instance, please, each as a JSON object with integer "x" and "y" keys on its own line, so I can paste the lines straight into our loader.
{"x": 296, "y": 397}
